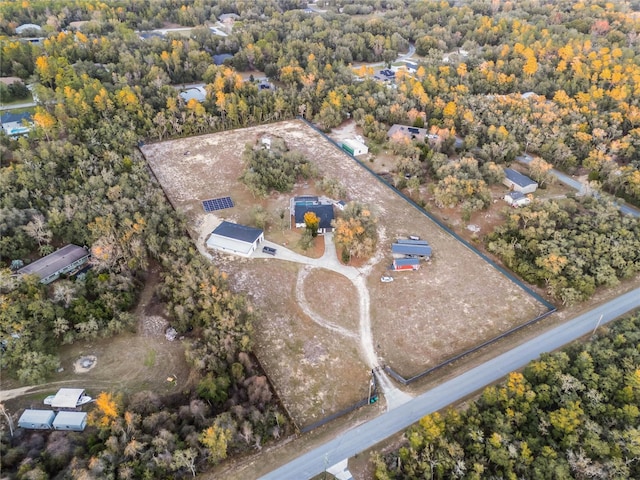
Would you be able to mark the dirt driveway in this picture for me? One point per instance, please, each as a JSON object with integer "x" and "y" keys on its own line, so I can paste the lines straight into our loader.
{"x": 452, "y": 303}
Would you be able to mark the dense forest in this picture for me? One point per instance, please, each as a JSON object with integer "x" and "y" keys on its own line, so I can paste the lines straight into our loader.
{"x": 570, "y": 414}
{"x": 102, "y": 88}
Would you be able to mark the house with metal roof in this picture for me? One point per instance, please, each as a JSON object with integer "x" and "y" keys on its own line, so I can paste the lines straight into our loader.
{"x": 324, "y": 212}
{"x": 75, "y": 421}
{"x": 68, "y": 398}
{"x": 517, "y": 199}
{"x": 65, "y": 260}
{"x": 518, "y": 182}
{"x": 401, "y": 264}
{"x": 235, "y": 238}
{"x": 198, "y": 94}
{"x": 413, "y": 250}
{"x": 37, "y": 419}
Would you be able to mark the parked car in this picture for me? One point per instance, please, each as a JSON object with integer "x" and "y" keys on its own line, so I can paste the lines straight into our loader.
{"x": 269, "y": 250}
{"x": 414, "y": 237}
{"x": 386, "y": 279}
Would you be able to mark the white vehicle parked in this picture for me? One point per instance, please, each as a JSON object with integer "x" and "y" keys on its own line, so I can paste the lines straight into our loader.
{"x": 386, "y": 279}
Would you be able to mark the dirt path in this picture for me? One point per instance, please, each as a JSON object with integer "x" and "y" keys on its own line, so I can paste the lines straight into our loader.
{"x": 357, "y": 276}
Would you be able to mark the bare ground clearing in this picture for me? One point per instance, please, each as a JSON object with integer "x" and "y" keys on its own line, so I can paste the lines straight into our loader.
{"x": 128, "y": 363}
{"x": 424, "y": 317}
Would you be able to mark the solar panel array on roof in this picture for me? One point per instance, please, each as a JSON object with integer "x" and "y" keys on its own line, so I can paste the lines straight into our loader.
{"x": 414, "y": 130}
{"x": 217, "y": 204}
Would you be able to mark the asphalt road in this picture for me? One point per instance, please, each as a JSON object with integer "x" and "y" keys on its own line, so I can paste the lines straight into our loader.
{"x": 576, "y": 185}
{"x": 366, "y": 435}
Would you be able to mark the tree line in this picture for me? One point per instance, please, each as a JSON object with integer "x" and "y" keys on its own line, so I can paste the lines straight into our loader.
{"x": 570, "y": 414}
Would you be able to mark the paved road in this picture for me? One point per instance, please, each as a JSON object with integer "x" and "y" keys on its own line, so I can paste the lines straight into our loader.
{"x": 15, "y": 106}
{"x": 580, "y": 187}
{"x": 387, "y": 424}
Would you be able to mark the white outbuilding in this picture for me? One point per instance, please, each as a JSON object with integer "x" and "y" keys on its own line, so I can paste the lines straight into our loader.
{"x": 75, "y": 421}
{"x": 234, "y": 238}
{"x": 518, "y": 182}
{"x": 37, "y": 419}
{"x": 354, "y": 147}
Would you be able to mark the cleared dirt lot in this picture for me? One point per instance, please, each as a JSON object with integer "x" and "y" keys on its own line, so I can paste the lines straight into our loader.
{"x": 450, "y": 304}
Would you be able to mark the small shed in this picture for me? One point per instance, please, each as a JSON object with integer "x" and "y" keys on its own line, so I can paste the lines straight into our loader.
{"x": 67, "y": 398}
{"x": 517, "y": 199}
{"x": 354, "y": 147}
{"x": 413, "y": 250}
{"x": 37, "y": 419}
{"x": 235, "y": 238}
{"x": 75, "y": 421}
{"x": 518, "y": 182}
{"x": 401, "y": 264}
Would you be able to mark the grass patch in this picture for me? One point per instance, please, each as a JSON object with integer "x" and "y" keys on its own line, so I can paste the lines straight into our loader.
{"x": 150, "y": 358}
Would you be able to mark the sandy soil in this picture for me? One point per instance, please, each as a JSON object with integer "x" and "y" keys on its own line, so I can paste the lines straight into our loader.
{"x": 450, "y": 304}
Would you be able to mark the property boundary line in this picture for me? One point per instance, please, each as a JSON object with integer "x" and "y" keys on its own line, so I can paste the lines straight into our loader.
{"x": 434, "y": 219}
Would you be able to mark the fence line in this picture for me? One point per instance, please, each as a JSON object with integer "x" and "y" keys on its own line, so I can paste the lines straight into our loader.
{"x": 548, "y": 305}
{"x": 407, "y": 381}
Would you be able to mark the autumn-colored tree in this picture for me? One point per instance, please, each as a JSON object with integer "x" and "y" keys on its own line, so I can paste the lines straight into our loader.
{"x": 312, "y": 223}
{"x": 356, "y": 232}
{"x": 106, "y": 411}
{"x": 216, "y": 440}
{"x": 540, "y": 171}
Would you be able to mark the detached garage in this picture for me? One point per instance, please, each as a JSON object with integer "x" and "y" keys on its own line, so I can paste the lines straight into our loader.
{"x": 234, "y": 238}
{"x": 37, "y": 419}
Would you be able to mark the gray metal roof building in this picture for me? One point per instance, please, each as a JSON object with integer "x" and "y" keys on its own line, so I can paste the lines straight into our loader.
{"x": 519, "y": 182}
{"x": 61, "y": 261}
{"x": 67, "y": 398}
{"x": 37, "y": 419}
{"x": 75, "y": 421}
{"x": 235, "y": 238}
{"x": 419, "y": 250}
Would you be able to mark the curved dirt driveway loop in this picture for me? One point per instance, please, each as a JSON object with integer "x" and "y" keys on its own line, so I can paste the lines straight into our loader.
{"x": 306, "y": 308}
{"x": 329, "y": 261}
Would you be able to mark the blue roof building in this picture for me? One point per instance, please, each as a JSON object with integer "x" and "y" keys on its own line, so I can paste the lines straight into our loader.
{"x": 417, "y": 250}
{"x": 515, "y": 180}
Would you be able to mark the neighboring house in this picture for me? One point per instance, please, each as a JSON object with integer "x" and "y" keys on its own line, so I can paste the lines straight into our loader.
{"x": 75, "y": 421}
{"x": 411, "y": 67}
{"x": 28, "y": 27}
{"x": 62, "y": 261}
{"x": 400, "y": 264}
{"x": 219, "y": 58}
{"x": 518, "y": 182}
{"x": 354, "y": 147}
{"x": 197, "y": 93}
{"x": 234, "y": 238}
{"x": 412, "y": 133}
{"x": 517, "y": 199}
{"x": 324, "y": 212}
{"x": 37, "y": 419}
{"x": 15, "y": 124}
{"x": 413, "y": 249}
{"x": 229, "y": 17}
{"x": 10, "y": 80}
{"x": 68, "y": 398}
